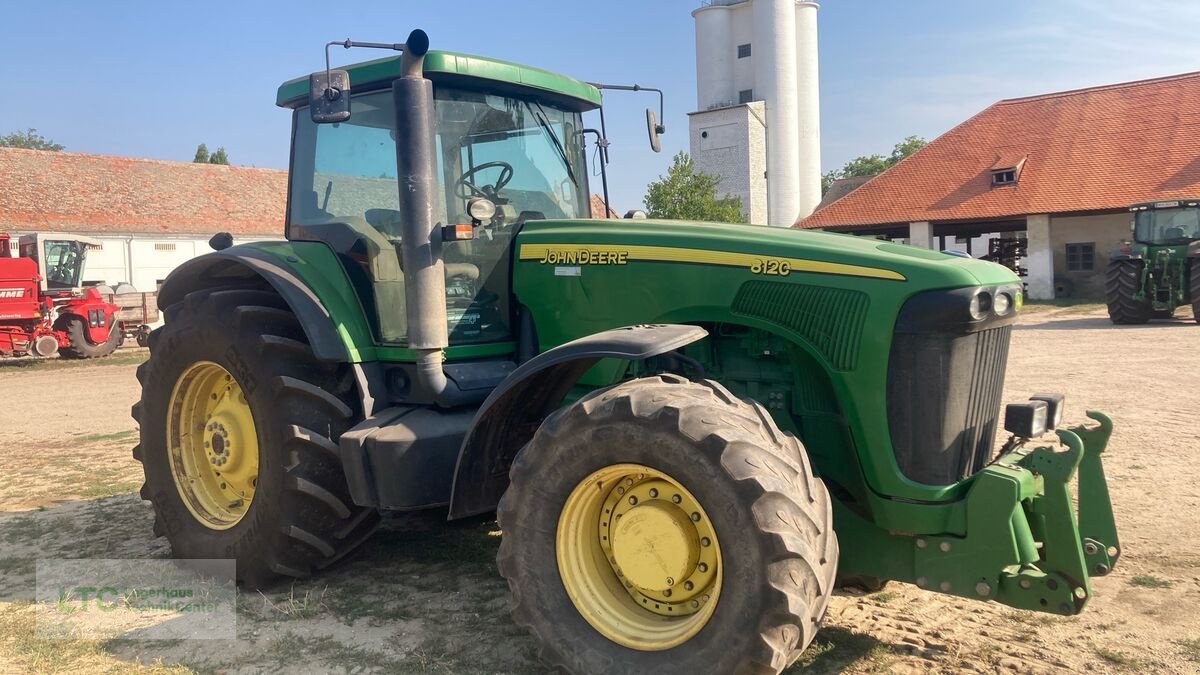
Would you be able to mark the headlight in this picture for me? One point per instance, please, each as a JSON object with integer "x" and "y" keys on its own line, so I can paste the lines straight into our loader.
{"x": 1026, "y": 420}
{"x": 481, "y": 209}
{"x": 1002, "y": 304}
{"x": 981, "y": 303}
{"x": 1054, "y": 408}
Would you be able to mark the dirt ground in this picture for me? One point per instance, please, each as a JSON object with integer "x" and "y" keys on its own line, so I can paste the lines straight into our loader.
{"x": 423, "y": 597}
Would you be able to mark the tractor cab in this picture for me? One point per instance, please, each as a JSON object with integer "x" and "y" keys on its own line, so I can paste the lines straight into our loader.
{"x": 1159, "y": 271}
{"x": 59, "y": 258}
{"x": 507, "y": 149}
{"x": 1172, "y": 223}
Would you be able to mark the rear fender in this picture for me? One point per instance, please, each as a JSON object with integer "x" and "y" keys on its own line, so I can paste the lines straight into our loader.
{"x": 515, "y": 409}
{"x": 242, "y": 264}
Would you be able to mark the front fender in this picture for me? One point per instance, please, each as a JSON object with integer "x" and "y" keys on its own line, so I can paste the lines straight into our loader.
{"x": 306, "y": 275}
{"x": 515, "y": 409}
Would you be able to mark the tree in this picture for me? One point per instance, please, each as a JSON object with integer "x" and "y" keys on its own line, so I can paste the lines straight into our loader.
{"x": 219, "y": 157}
{"x": 687, "y": 194}
{"x": 29, "y": 139}
{"x": 201, "y": 154}
{"x": 869, "y": 165}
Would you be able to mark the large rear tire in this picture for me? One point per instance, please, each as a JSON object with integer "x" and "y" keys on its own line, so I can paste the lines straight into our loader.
{"x": 1120, "y": 285}
{"x": 282, "y": 507}
{"x": 725, "y": 497}
{"x": 81, "y": 347}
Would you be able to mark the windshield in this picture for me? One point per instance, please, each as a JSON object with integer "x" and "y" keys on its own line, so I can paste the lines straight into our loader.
{"x": 526, "y": 157}
{"x": 1167, "y": 226}
{"x": 63, "y": 264}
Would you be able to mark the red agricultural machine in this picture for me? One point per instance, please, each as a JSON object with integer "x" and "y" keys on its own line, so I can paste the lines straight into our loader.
{"x": 42, "y": 309}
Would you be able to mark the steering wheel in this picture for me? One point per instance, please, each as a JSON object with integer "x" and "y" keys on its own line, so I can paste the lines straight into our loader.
{"x": 466, "y": 189}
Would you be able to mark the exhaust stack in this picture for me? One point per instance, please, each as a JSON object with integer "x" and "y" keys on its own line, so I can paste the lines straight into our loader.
{"x": 421, "y": 239}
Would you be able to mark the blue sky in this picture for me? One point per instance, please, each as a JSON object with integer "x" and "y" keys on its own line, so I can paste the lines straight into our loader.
{"x": 154, "y": 79}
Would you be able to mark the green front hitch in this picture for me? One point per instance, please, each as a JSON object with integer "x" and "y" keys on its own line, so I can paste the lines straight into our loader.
{"x": 1058, "y": 548}
{"x": 1023, "y": 542}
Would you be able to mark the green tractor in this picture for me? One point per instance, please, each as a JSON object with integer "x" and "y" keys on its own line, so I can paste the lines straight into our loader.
{"x": 690, "y": 433}
{"x": 1159, "y": 271}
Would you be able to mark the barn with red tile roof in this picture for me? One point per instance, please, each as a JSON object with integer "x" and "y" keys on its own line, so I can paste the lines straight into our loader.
{"x": 149, "y": 215}
{"x": 1059, "y": 170}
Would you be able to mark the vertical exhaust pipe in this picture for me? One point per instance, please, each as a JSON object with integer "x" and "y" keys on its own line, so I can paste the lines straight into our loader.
{"x": 421, "y": 239}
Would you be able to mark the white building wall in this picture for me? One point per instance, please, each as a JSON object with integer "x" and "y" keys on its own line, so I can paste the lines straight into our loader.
{"x": 143, "y": 260}
{"x": 730, "y": 143}
{"x": 1106, "y": 232}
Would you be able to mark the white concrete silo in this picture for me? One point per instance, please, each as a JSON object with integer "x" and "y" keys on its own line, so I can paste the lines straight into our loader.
{"x": 757, "y": 123}
{"x": 714, "y": 67}
{"x": 808, "y": 108}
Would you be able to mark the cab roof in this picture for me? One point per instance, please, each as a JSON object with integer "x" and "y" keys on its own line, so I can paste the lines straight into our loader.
{"x": 453, "y": 67}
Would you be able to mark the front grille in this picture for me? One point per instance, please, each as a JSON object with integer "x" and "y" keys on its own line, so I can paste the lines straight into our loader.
{"x": 943, "y": 400}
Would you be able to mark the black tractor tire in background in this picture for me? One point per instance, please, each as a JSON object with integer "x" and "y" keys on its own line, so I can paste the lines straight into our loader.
{"x": 772, "y": 517}
{"x": 1194, "y": 288}
{"x": 81, "y": 347}
{"x": 1120, "y": 285}
{"x": 301, "y": 518}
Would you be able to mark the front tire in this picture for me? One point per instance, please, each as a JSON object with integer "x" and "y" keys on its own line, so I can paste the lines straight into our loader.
{"x": 287, "y": 510}
{"x": 81, "y": 347}
{"x": 1120, "y": 285}
{"x": 750, "y": 602}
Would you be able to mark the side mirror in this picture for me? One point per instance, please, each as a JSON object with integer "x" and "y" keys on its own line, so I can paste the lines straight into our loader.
{"x": 329, "y": 96}
{"x": 655, "y": 130}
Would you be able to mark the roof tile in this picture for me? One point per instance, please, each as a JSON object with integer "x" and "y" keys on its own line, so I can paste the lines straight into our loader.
{"x": 101, "y": 194}
{"x": 1095, "y": 149}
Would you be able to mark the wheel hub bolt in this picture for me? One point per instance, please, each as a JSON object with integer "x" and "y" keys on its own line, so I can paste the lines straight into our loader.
{"x": 695, "y": 517}
{"x": 703, "y": 567}
{"x": 705, "y": 541}
{"x": 667, "y": 593}
{"x": 676, "y": 499}
{"x": 670, "y": 581}
{"x": 653, "y": 493}
{"x": 633, "y": 501}
{"x": 695, "y": 604}
{"x": 687, "y": 585}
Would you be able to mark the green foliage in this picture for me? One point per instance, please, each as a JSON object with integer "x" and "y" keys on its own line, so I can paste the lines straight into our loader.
{"x": 1149, "y": 581}
{"x": 29, "y": 139}
{"x": 218, "y": 156}
{"x": 687, "y": 194}
{"x": 869, "y": 165}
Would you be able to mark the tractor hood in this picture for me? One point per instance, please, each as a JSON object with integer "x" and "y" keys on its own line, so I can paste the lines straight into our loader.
{"x": 765, "y": 250}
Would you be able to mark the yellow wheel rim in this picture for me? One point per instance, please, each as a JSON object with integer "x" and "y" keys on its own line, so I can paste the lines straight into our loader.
{"x": 639, "y": 557}
{"x": 213, "y": 445}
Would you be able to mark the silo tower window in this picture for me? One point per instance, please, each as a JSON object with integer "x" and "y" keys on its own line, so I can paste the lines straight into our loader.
{"x": 745, "y": 96}
{"x": 744, "y": 51}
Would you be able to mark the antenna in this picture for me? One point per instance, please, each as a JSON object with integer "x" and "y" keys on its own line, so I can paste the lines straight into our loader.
{"x": 333, "y": 93}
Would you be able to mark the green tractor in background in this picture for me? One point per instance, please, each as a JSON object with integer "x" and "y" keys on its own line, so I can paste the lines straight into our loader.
{"x": 1159, "y": 271}
{"x": 688, "y": 431}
